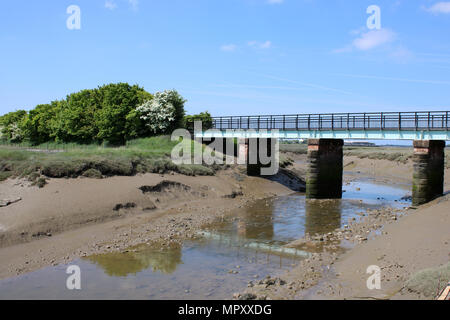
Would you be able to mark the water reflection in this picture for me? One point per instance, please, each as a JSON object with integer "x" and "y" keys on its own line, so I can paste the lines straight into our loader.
{"x": 322, "y": 216}
{"x": 283, "y": 219}
{"x": 123, "y": 264}
{"x": 257, "y": 222}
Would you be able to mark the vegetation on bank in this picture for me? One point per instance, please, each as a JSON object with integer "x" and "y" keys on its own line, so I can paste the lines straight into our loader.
{"x": 143, "y": 155}
{"x": 402, "y": 155}
{"x": 294, "y": 148}
{"x": 429, "y": 282}
{"x": 390, "y": 154}
{"x": 396, "y": 154}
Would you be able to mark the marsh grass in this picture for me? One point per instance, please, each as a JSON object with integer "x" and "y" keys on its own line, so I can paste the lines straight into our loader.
{"x": 396, "y": 154}
{"x": 429, "y": 282}
{"x": 380, "y": 153}
{"x": 71, "y": 161}
{"x": 402, "y": 155}
{"x": 294, "y": 148}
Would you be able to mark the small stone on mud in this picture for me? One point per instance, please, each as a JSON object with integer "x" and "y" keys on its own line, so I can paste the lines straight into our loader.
{"x": 247, "y": 296}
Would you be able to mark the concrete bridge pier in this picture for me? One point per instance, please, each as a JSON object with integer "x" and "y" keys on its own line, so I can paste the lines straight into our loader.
{"x": 428, "y": 173}
{"x": 325, "y": 168}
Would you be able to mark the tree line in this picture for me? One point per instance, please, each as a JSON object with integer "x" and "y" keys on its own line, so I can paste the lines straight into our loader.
{"x": 112, "y": 113}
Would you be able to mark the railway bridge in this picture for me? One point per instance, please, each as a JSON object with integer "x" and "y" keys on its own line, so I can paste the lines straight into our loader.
{"x": 428, "y": 130}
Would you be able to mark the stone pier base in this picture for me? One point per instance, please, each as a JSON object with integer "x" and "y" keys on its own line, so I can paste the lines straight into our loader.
{"x": 325, "y": 167}
{"x": 428, "y": 175}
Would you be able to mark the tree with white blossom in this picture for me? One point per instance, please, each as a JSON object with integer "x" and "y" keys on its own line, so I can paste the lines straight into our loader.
{"x": 164, "y": 112}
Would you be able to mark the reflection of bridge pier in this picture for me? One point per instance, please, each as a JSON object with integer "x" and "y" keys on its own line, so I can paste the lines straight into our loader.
{"x": 322, "y": 216}
{"x": 257, "y": 222}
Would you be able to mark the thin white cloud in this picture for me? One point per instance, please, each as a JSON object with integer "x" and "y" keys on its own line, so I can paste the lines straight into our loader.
{"x": 228, "y": 47}
{"x": 111, "y": 5}
{"x": 260, "y": 45}
{"x": 402, "y": 54}
{"x": 275, "y": 1}
{"x": 368, "y": 40}
{"x": 360, "y": 76}
{"x": 440, "y": 7}
{"x": 259, "y": 87}
{"x": 373, "y": 39}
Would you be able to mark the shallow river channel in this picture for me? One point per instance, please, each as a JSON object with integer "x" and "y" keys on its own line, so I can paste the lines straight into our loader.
{"x": 225, "y": 257}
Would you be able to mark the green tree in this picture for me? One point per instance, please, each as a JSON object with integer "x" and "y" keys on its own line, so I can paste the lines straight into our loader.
{"x": 115, "y": 120}
{"x": 76, "y": 118}
{"x": 204, "y": 117}
{"x": 164, "y": 113}
{"x": 39, "y": 124}
{"x": 107, "y": 113}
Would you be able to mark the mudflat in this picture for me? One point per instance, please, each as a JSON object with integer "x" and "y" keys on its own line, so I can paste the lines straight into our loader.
{"x": 72, "y": 218}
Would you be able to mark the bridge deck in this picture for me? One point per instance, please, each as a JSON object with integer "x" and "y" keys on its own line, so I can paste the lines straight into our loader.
{"x": 430, "y": 125}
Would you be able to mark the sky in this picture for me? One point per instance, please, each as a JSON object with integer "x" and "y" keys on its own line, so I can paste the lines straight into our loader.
{"x": 232, "y": 57}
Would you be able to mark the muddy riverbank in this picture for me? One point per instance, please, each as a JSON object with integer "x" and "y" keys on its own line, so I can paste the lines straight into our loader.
{"x": 249, "y": 243}
{"x": 75, "y": 218}
{"x": 401, "y": 242}
{"x": 168, "y": 211}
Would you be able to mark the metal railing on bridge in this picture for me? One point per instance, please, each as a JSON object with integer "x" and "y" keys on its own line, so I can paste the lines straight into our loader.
{"x": 418, "y": 121}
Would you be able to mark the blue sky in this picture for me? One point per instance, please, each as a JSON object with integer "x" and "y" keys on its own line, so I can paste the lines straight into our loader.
{"x": 232, "y": 57}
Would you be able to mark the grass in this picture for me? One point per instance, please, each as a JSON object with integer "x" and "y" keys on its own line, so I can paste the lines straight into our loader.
{"x": 429, "y": 282}
{"x": 387, "y": 153}
{"x": 70, "y": 161}
{"x": 380, "y": 153}
{"x": 397, "y": 154}
{"x": 294, "y": 148}
{"x": 137, "y": 156}
{"x": 285, "y": 161}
